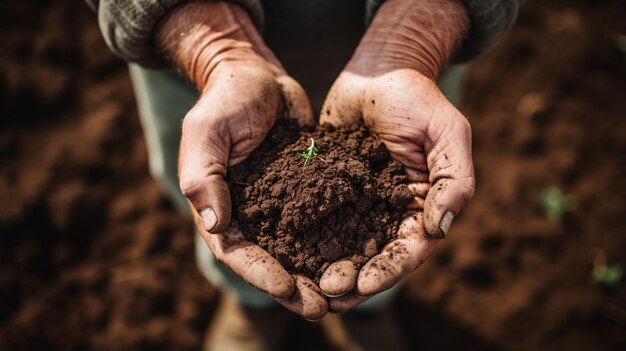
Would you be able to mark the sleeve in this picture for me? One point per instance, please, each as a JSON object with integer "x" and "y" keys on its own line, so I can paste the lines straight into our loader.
{"x": 127, "y": 26}
{"x": 489, "y": 20}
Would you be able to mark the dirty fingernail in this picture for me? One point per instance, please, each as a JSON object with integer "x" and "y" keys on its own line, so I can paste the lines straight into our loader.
{"x": 334, "y": 295}
{"x": 445, "y": 223}
{"x": 209, "y": 220}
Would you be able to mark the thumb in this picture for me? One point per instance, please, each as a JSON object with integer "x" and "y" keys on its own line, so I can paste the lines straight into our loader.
{"x": 202, "y": 168}
{"x": 451, "y": 173}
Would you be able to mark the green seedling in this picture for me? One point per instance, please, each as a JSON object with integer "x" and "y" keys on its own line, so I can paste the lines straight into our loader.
{"x": 311, "y": 152}
{"x": 606, "y": 274}
{"x": 555, "y": 204}
{"x": 610, "y": 276}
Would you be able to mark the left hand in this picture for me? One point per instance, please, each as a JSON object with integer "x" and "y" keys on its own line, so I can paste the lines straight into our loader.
{"x": 432, "y": 139}
{"x": 389, "y": 84}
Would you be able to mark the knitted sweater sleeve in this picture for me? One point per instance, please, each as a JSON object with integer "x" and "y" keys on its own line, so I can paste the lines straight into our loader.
{"x": 128, "y": 25}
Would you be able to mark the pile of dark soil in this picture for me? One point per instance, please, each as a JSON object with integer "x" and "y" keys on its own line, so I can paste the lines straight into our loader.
{"x": 345, "y": 202}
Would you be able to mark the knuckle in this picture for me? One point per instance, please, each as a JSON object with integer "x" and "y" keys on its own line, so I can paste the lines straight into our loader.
{"x": 196, "y": 119}
{"x": 204, "y": 116}
{"x": 288, "y": 84}
{"x": 192, "y": 119}
{"x": 469, "y": 189}
{"x": 190, "y": 187}
{"x": 465, "y": 125}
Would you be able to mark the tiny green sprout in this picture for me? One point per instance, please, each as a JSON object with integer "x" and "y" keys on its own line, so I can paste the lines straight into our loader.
{"x": 555, "y": 204}
{"x": 311, "y": 152}
{"x": 609, "y": 275}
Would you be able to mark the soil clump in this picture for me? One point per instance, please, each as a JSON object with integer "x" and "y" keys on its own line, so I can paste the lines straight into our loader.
{"x": 345, "y": 202}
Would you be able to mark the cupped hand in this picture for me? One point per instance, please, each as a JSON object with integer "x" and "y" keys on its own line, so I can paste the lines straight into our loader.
{"x": 389, "y": 85}
{"x": 420, "y": 128}
{"x": 432, "y": 139}
{"x": 244, "y": 89}
{"x": 229, "y": 121}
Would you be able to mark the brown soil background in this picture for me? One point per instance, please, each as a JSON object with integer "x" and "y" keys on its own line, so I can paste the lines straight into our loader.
{"x": 93, "y": 256}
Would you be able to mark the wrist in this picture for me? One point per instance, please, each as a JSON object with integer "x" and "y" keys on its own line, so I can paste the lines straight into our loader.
{"x": 199, "y": 36}
{"x": 408, "y": 34}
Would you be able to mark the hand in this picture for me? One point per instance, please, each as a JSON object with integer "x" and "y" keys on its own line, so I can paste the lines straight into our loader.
{"x": 243, "y": 90}
{"x": 389, "y": 85}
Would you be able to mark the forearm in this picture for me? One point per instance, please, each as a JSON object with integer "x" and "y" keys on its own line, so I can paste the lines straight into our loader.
{"x": 199, "y": 35}
{"x": 420, "y": 35}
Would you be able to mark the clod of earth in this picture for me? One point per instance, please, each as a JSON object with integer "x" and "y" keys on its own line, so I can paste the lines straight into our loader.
{"x": 347, "y": 201}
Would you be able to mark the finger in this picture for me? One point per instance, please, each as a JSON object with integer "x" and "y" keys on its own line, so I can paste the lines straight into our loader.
{"x": 345, "y": 303}
{"x": 397, "y": 259}
{"x": 420, "y": 189}
{"x": 296, "y": 101}
{"x": 339, "y": 278}
{"x": 416, "y": 204}
{"x": 451, "y": 176}
{"x": 417, "y": 175}
{"x": 253, "y": 264}
{"x": 202, "y": 168}
{"x": 307, "y": 300}
{"x": 342, "y": 105}
{"x": 210, "y": 198}
{"x": 444, "y": 202}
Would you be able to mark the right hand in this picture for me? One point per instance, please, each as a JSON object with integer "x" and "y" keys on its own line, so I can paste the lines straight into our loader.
{"x": 243, "y": 91}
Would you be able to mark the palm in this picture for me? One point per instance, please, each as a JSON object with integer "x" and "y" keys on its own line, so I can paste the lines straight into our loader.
{"x": 423, "y": 131}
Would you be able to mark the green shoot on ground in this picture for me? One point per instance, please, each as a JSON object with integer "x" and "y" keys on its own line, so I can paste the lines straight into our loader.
{"x": 609, "y": 275}
{"x": 310, "y": 152}
{"x": 555, "y": 204}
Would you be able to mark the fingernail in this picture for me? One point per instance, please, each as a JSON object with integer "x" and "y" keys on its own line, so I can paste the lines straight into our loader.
{"x": 445, "y": 223}
{"x": 311, "y": 320}
{"x": 209, "y": 220}
{"x": 334, "y": 295}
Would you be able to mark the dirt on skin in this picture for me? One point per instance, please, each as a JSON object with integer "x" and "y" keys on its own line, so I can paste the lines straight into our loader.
{"x": 345, "y": 202}
{"x": 94, "y": 257}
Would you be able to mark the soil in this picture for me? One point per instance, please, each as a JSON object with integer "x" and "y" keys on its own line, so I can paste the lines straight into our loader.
{"x": 94, "y": 257}
{"x": 346, "y": 202}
